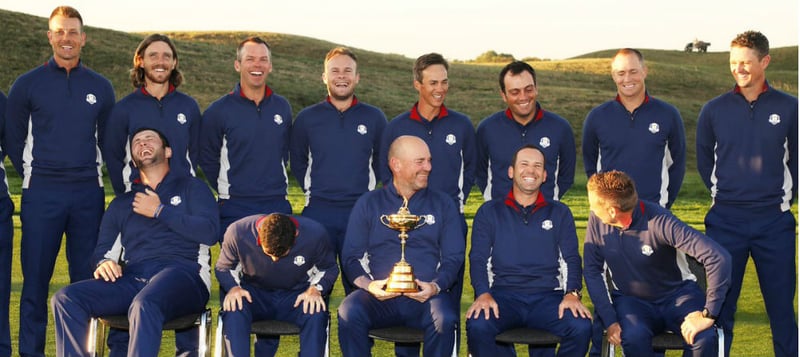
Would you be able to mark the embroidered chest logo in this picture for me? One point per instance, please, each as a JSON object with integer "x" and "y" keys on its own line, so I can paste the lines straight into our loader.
{"x": 91, "y": 99}
{"x": 430, "y": 219}
{"x": 544, "y": 142}
{"x": 299, "y": 260}
{"x": 175, "y": 200}
{"x": 774, "y": 119}
{"x": 647, "y": 250}
{"x": 181, "y": 118}
{"x": 653, "y": 128}
{"x": 547, "y": 225}
{"x": 450, "y": 139}
{"x": 362, "y": 129}
{"x": 278, "y": 119}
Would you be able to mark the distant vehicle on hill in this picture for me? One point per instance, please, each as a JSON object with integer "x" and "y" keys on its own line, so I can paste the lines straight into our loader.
{"x": 697, "y": 45}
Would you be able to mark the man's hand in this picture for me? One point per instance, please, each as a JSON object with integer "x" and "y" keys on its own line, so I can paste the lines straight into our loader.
{"x": 233, "y": 300}
{"x": 108, "y": 270}
{"x": 376, "y": 289}
{"x": 574, "y": 304}
{"x": 484, "y": 303}
{"x": 146, "y": 203}
{"x": 428, "y": 291}
{"x": 614, "y": 334}
{"x": 312, "y": 301}
{"x": 693, "y": 324}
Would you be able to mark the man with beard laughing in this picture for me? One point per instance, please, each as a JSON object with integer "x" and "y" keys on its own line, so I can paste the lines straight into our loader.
{"x": 165, "y": 225}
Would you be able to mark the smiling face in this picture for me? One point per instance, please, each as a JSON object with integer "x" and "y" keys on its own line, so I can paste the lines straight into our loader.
{"x": 629, "y": 73}
{"x": 527, "y": 172}
{"x": 520, "y": 95}
{"x": 66, "y": 36}
{"x": 253, "y": 64}
{"x": 747, "y": 69}
{"x": 433, "y": 86}
{"x": 147, "y": 149}
{"x": 410, "y": 162}
{"x": 341, "y": 77}
{"x": 158, "y": 61}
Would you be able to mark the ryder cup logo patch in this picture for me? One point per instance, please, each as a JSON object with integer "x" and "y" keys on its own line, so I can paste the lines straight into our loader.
{"x": 362, "y": 129}
{"x": 774, "y": 119}
{"x": 175, "y": 200}
{"x": 653, "y": 128}
{"x": 181, "y": 118}
{"x": 450, "y": 139}
{"x": 547, "y": 225}
{"x": 647, "y": 250}
{"x": 91, "y": 99}
{"x": 430, "y": 219}
{"x": 299, "y": 260}
{"x": 278, "y": 119}
{"x": 544, "y": 142}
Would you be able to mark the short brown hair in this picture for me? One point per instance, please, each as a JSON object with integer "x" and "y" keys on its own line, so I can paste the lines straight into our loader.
{"x": 614, "y": 189}
{"x": 754, "y": 40}
{"x": 630, "y": 51}
{"x": 426, "y": 61}
{"x": 68, "y": 12}
{"x": 254, "y": 39}
{"x": 340, "y": 51}
{"x": 276, "y": 234}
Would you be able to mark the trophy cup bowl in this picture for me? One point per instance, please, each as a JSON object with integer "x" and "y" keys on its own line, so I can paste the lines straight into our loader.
{"x": 401, "y": 280}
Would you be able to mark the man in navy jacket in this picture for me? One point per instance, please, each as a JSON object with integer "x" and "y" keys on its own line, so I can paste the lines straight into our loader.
{"x": 276, "y": 267}
{"x": 152, "y": 256}
{"x": 55, "y": 121}
{"x": 643, "y": 248}
{"x": 525, "y": 266}
{"x": 434, "y": 250}
{"x": 747, "y": 157}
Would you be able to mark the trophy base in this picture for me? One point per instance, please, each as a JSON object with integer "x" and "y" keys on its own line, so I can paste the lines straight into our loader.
{"x": 402, "y": 279}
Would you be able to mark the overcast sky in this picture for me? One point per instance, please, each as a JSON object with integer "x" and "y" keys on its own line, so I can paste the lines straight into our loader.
{"x": 459, "y": 29}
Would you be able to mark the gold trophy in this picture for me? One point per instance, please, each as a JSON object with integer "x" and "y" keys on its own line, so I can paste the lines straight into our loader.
{"x": 402, "y": 278}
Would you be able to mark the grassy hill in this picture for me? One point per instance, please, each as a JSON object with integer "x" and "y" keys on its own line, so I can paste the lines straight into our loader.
{"x": 568, "y": 87}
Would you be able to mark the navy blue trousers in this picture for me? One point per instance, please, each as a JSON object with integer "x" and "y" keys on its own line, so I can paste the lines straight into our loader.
{"x": 150, "y": 295}
{"x": 47, "y": 214}
{"x": 528, "y": 310}
{"x": 769, "y": 237}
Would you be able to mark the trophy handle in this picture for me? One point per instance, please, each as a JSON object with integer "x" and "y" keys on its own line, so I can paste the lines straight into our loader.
{"x": 421, "y": 222}
{"x": 384, "y": 220}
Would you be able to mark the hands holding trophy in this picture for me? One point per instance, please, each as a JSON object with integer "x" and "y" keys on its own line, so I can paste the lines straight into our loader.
{"x": 401, "y": 280}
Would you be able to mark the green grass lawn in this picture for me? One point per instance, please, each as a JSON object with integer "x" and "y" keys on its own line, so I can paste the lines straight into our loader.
{"x": 752, "y": 332}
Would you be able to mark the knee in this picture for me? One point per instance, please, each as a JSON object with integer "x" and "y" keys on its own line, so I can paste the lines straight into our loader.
{"x": 706, "y": 339}
{"x": 60, "y": 299}
{"x": 481, "y": 328}
{"x": 352, "y": 308}
{"x": 142, "y": 306}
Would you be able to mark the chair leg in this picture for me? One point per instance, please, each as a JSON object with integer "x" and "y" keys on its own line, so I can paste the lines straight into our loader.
{"x": 218, "y": 350}
{"x": 91, "y": 342}
{"x": 101, "y": 340}
{"x": 205, "y": 333}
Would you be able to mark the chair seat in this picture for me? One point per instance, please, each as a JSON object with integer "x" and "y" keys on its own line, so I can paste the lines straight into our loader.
{"x": 274, "y": 328}
{"x": 668, "y": 341}
{"x": 529, "y": 336}
{"x": 401, "y": 334}
{"x": 121, "y": 322}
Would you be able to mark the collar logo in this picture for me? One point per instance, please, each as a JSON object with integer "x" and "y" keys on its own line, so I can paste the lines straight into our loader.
{"x": 774, "y": 119}
{"x": 278, "y": 119}
{"x": 647, "y": 250}
{"x": 450, "y": 139}
{"x": 175, "y": 200}
{"x": 91, "y": 99}
{"x": 299, "y": 260}
{"x": 181, "y": 118}
{"x": 362, "y": 129}
{"x": 547, "y": 225}
{"x": 544, "y": 142}
{"x": 654, "y": 128}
